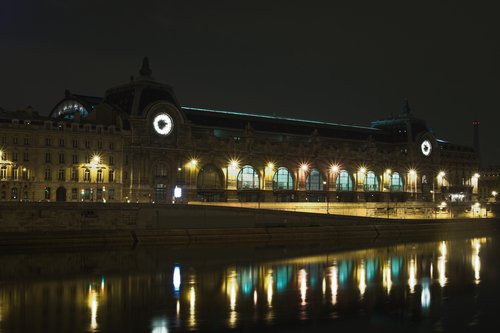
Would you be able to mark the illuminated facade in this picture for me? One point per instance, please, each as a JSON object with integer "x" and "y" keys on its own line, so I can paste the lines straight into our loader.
{"x": 138, "y": 144}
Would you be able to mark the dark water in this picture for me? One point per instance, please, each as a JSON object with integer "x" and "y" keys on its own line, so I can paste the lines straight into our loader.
{"x": 449, "y": 285}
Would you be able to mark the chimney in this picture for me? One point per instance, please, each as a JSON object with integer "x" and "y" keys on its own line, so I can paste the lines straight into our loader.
{"x": 475, "y": 141}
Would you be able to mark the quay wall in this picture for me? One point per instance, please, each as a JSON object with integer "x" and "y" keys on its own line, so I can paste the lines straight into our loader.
{"x": 98, "y": 224}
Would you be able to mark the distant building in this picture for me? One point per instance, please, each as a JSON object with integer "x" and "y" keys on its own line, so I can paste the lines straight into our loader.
{"x": 138, "y": 143}
{"x": 489, "y": 183}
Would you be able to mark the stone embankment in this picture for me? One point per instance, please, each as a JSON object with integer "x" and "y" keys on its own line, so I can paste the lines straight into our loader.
{"x": 118, "y": 224}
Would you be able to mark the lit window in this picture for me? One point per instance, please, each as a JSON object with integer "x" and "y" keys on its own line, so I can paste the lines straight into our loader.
{"x": 282, "y": 180}
{"x": 344, "y": 181}
{"x": 371, "y": 183}
{"x": 248, "y": 179}
{"x": 315, "y": 181}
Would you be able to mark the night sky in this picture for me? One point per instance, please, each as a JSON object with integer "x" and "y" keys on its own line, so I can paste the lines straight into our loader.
{"x": 339, "y": 61}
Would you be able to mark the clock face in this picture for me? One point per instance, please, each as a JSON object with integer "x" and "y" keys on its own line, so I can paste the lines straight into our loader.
{"x": 426, "y": 147}
{"x": 163, "y": 124}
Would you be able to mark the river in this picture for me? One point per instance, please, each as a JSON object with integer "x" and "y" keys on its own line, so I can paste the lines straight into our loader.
{"x": 439, "y": 286}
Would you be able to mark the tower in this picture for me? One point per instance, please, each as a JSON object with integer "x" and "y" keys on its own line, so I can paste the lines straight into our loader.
{"x": 475, "y": 140}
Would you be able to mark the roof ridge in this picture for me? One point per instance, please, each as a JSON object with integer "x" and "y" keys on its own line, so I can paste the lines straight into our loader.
{"x": 278, "y": 118}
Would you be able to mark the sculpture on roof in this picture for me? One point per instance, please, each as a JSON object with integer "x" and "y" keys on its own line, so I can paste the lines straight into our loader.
{"x": 145, "y": 69}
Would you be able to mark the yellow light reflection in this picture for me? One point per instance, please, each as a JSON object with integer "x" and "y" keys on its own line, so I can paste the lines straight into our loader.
{"x": 269, "y": 286}
{"x": 442, "y": 264}
{"x": 255, "y": 297}
{"x": 233, "y": 284}
{"x": 178, "y": 308}
{"x": 323, "y": 286}
{"x": 412, "y": 272}
{"x": 192, "y": 304}
{"x": 476, "y": 261}
{"x": 303, "y": 285}
{"x": 93, "y": 305}
{"x": 386, "y": 276}
{"x": 362, "y": 278}
{"x": 334, "y": 285}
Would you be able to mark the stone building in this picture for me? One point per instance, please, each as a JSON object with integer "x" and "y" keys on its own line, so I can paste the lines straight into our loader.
{"x": 139, "y": 144}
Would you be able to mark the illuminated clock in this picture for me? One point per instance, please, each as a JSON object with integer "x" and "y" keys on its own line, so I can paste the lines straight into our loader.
{"x": 426, "y": 147}
{"x": 163, "y": 124}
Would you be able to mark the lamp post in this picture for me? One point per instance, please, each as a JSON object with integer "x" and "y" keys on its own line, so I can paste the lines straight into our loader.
{"x": 95, "y": 163}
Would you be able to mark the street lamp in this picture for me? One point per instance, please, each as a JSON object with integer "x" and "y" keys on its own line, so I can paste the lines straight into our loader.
{"x": 95, "y": 163}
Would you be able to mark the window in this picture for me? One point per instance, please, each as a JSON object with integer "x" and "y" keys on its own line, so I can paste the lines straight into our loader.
{"x": 61, "y": 158}
{"x": 99, "y": 144}
{"x": 61, "y": 175}
{"x": 24, "y": 173}
{"x": 47, "y": 157}
{"x": 86, "y": 175}
{"x": 111, "y": 175}
{"x": 87, "y": 158}
{"x": 111, "y": 160}
{"x": 14, "y": 140}
{"x": 111, "y": 194}
{"x": 87, "y": 144}
{"x": 48, "y": 141}
{"x": 85, "y": 194}
{"x": 248, "y": 179}
{"x": 3, "y": 173}
{"x": 210, "y": 178}
{"x": 125, "y": 175}
{"x": 111, "y": 146}
{"x": 344, "y": 181}
{"x": 371, "y": 182}
{"x": 61, "y": 142}
{"x": 46, "y": 193}
{"x": 282, "y": 180}
{"x": 396, "y": 184}
{"x": 126, "y": 159}
{"x": 99, "y": 175}
{"x": 14, "y": 156}
{"x": 26, "y": 141}
{"x": 161, "y": 170}
{"x": 48, "y": 174}
{"x": 74, "y": 174}
{"x": 315, "y": 181}
{"x": 15, "y": 174}
{"x": 25, "y": 156}
{"x": 75, "y": 143}
{"x": 74, "y": 194}
{"x": 3, "y": 140}
{"x": 13, "y": 193}
{"x": 3, "y": 195}
{"x": 75, "y": 158}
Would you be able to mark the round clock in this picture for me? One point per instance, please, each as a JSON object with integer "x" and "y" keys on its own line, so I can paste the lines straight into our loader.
{"x": 426, "y": 147}
{"x": 163, "y": 124}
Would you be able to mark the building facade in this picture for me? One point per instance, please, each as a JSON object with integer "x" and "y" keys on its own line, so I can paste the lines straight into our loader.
{"x": 138, "y": 144}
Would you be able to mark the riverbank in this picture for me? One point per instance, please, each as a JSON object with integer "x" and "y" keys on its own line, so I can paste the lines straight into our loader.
{"x": 39, "y": 225}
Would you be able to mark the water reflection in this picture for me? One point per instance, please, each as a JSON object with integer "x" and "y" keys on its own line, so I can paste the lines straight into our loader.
{"x": 442, "y": 264}
{"x": 200, "y": 296}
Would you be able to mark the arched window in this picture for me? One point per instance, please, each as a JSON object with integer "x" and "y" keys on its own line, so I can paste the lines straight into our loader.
{"x": 282, "y": 180}
{"x": 13, "y": 193}
{"x": 396, "y": 183}
{"x": 161, "y": 170}
{"x": 371, "y": 182}
{"x": 68, "y": 108}
{"x": 210, "y": 178}
{"x": 315, "y": 181}
{"x": 344, "y": 181}
{"x": 160, "y": 192}
{"x": 248, "y": 178}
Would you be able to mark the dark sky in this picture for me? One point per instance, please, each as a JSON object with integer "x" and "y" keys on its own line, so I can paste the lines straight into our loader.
{"x": 340, "y": 61}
